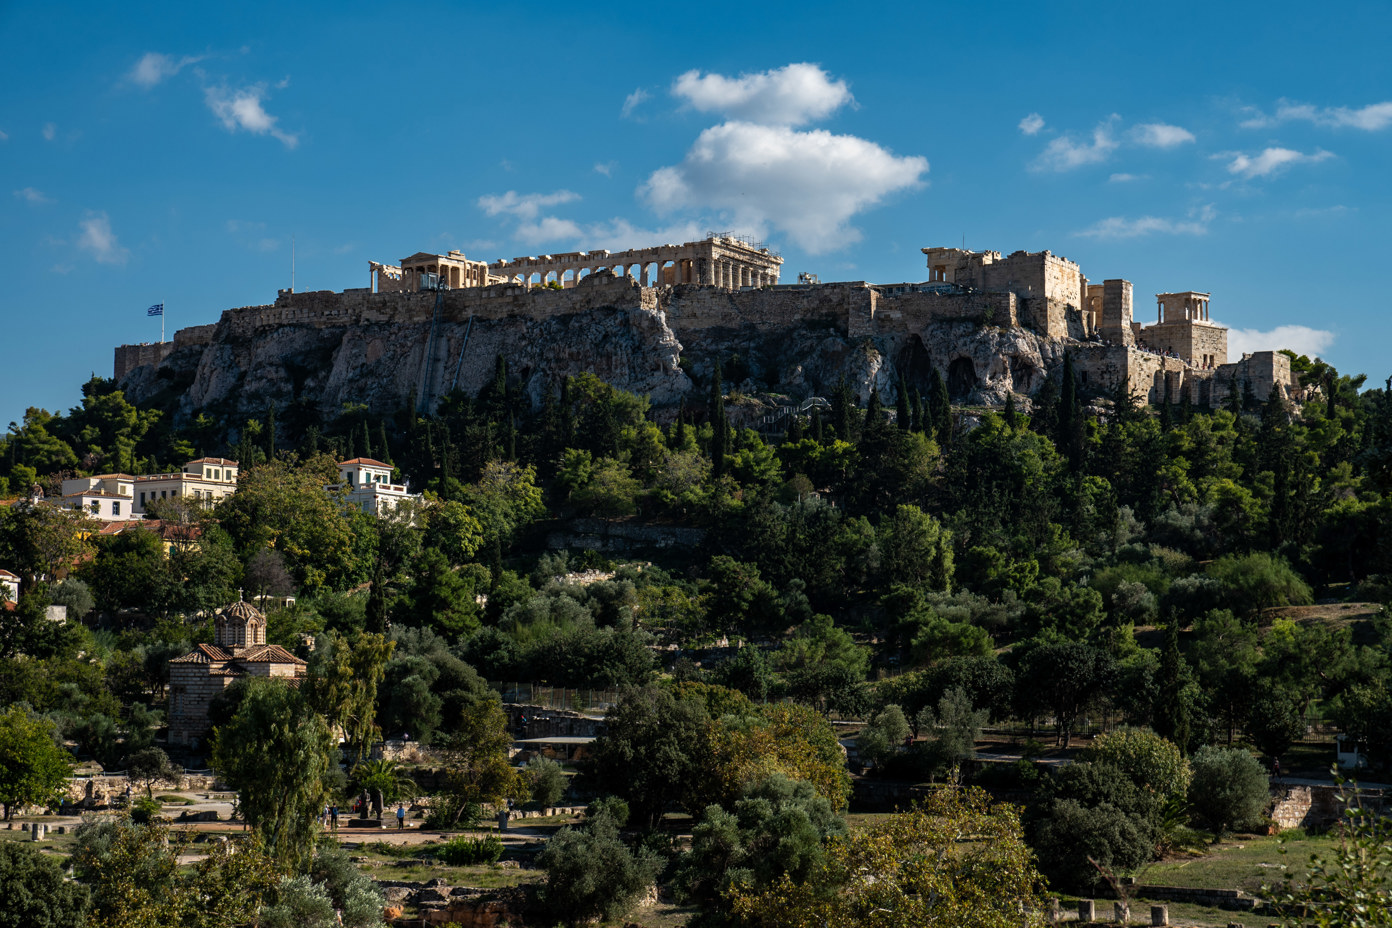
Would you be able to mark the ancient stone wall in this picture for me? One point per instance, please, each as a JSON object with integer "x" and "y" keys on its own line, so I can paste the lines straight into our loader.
{"x": 1100, "y": 368}
{"x": 1117, "y": 311}
{"x": 129, "y": 357}
{"x": 1202, "y": 344}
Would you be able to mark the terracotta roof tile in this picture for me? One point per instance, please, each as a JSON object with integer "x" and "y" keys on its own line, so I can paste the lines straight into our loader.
{"x": 204, "y": 654}
{"x": 370, "y": 462}
{"x": 268, "y": 654}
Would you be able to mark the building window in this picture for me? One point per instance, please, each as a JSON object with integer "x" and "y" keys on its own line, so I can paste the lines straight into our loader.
{"x": 96, "y": 507}
{"x": 142, "y": 497}
{"x": 115, "y": 509}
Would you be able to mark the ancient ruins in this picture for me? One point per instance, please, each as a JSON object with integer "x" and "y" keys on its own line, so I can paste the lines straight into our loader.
{"x": 652, "y": 319}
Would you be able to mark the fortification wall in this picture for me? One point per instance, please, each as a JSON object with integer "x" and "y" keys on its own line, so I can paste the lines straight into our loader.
{"x": 360, "y": 306}
{"x": 194, "y": 335}
{"x": 693, "y": 309}
{"x": 129, "y": 357}
{"x": 1100, "y": 368}
{"x": 906, "y": 313}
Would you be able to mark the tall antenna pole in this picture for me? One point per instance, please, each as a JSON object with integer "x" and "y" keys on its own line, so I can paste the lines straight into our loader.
{"x": 292, "y": 264}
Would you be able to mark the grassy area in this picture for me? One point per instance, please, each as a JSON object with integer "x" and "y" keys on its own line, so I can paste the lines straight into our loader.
{"x": 1244, "y": 863}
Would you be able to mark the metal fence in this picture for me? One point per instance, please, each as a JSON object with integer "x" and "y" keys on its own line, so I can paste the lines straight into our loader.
{"x": 587, "y": 701}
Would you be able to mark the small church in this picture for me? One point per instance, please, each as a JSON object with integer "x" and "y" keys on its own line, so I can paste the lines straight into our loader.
{"x": 239, "y": 650}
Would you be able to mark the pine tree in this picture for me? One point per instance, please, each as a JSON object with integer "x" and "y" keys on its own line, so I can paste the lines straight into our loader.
{"x": 903, "y": 415}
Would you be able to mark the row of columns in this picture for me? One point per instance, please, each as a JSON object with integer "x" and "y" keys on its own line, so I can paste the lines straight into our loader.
{"x": 720, "y": 273}
{"x": 1195, "y": 309}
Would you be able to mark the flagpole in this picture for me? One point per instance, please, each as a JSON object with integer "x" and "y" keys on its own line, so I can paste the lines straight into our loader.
{"x": 162, "y": 304}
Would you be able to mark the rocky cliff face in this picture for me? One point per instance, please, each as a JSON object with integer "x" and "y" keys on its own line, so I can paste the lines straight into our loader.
{"x": 327, "y": 350}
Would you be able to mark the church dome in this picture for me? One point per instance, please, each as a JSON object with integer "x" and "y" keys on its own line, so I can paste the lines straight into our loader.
{"x": 240, "y": 625}
{"x": 243, "y": 611}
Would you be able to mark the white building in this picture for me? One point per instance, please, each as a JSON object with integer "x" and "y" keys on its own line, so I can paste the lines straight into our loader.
{"x": 121, "y": 497}
{"x": 368, "y": 486}
{"x": 105, "y": 496}
{"x": 207, "y": 480}
{"x": 9, "y": 587}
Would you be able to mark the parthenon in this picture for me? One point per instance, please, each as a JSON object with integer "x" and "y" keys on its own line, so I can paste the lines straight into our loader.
{"x": 720, "y": 260}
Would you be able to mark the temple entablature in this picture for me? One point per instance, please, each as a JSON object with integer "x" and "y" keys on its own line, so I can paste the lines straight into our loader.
{"x": 719, "y": 260}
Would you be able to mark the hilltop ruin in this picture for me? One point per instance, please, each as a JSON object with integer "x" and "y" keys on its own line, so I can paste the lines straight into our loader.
{"x": 649, "y": 320}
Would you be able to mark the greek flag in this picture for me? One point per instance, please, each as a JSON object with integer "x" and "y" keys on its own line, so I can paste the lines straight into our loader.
{"x": 156, "y": 310}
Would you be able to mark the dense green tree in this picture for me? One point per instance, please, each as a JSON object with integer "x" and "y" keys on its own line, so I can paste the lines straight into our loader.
{"x": 36, "y": 894}
{"x": 590, "y": 873}
{"x": 33, "y": 769}
{"x": 276, "y": 753}
{"x": 1229, "y": 789}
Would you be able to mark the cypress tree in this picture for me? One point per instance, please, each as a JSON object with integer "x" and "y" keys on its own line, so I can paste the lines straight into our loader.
{"x": 678, "y": 433}
{"x": 568, "y": 413}
{"x": 917, "y": 425}
{"x": 794, "y": 428}
{"x": 842, "y": 404}
{"x": 367, "y": 449}
{"x": 1166, "y": 415}
{"x": 1234, "y": 397}
{"x": 1012, "y": 418}
{"x": 1171, "y": 713}
{"x": 939, "y": 407}
{"x": 720, "y": 426}
{"x": 903, "y": 415}
{"x": 817, "y": 434}
{"x": 382, "y": 442}
{"x": 270, "y": 432}
{"x": 377, "y": 601}
{"x": 874, "y": 411}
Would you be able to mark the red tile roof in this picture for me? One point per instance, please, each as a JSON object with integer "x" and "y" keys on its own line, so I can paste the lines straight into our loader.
{"x": 204, "y": 654}
{"x": 268, "y": 654}
{"x": 217, "y": 461}
{"x": 370, "y": 462}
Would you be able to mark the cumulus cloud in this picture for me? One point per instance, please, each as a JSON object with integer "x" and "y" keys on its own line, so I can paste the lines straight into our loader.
{"x": 633, "y": 101}
{"x": 526, "y": 206}
{"x": 1031, "y": 124}
{"x": 787, "y": 96}
{"x": 806, "y": 184}
{"x": 97, "y": 238}
{"x": 1298, "y": 338}
{"x": 1159, "y": 135}
{"x": 30, "y": 195}
{"x": 153, "y": 67}
{"x": 547, "y": 229}
{"x": 1270, "y": 161}
{"x": 1370, "y": 118}
{"x": 241, "y": 109}
{"x": 606, "y": 168}
{"x": 1117, "y": 227}
{"x": 1066, "y": 152}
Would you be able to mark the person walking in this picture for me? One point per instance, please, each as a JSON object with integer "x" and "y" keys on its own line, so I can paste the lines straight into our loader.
{"x": 400, "y": 817}
{"x": 333, "y": 817}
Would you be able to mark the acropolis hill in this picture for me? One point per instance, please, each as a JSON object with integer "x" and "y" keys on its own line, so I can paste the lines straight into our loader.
{"x": 646, "y": 319}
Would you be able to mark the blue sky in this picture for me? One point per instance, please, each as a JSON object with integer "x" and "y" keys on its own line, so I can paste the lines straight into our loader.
{"x": 170, "y": 153}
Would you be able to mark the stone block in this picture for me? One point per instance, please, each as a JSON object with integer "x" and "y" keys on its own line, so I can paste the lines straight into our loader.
{"x": 1087, "y": 910}
{"x": 1159, "y": 915}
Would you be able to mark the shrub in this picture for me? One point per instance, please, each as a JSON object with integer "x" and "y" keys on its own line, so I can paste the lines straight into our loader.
{"x": 465, "y": 852}
{"x": 1229, "y": 789}
{"x": 591, "y": 873}
{"x": 144, "y": 810}
{"x": 547, "y": 781}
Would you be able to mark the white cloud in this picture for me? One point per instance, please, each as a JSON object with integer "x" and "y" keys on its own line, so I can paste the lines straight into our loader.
{"x": 633, "y": 101}
{"x": 1298, "y": 338}
{"x": 788, "y": 96}
{"x": 1369, "y": 118}
{"x": 1159, "y": 135}
{"x": 1031, "y": 124}
{"x": 524, "y": 206}
{"x": 98, "y": 239}
{"x": 1270, "y": 161}
{"x": 30, "y": 195}
{"x": 154, "y": 67}
{"x": 50, "y": 131}
{"x": 807, "y": 184}
{"x": 1066, "y": 153}
{"x": 1126, "y": 178}
{"x": 1117, "y": 227}
{"x": 606, "y": 168}
{"x": 242, "y": 109}
{"x": 547, "y": 229}
{"x": 4, "y": 137}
